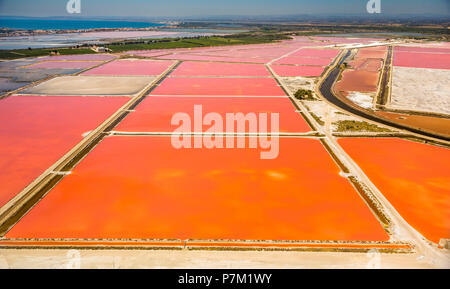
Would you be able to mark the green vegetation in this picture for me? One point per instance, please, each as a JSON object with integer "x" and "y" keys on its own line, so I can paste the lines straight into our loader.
{"x": 304, "y": 94}
{"x": 352, "y": 125}
{"x": 257, "y": 34}
{"x": 21, "y": 53}
{"x": 148, "y": 44}
{"x": 427, "y": 31}
{"x": 201, "y": 41}
{"x": 318, "y": 119}
{"x": 301, "y": 26}
{"x": 344, "y": 66}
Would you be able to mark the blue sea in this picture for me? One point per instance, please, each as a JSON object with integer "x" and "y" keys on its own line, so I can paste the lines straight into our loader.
{"x": 71, "y": 39}
{"x": 48, "y": 24}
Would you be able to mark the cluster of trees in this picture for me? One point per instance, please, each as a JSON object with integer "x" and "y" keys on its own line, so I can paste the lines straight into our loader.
{"x": 344, "y": 66}
{"x": 304, "y": 94}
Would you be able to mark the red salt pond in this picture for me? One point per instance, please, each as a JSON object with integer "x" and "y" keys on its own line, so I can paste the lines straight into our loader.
{"x": 363, "y": 77}
{"x": 80, "y": 57}
{"x": 422, "y": 60}
{"x": 149, "y": 54}
{"x": 152, "y": 191}
{"x": 220, "y": 69}
{"x": 38, "y": 130}
{"x": 357, "y": 80}
{"x": 214, "y": 58}
{"x": 65, "y": 64}
{"x": 131, "y": 68}
{"x": 251, "y": 53}
{"x": 367, "y": 64}
{"x": 218, "y": 86}
{"x": 342, "y": 40}
{"x": 154, "y": 114}
{"x": 422, "y": 50}
{"x": 414, "y": 177}
{"x": 372, "y": 52}
{"x": 322, "y": 53}
{"x": 305, "y": 60}
{"x": 292, "y": 70}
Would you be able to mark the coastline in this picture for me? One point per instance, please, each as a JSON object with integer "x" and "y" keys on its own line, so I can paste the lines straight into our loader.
{"x": 12, "y": 32}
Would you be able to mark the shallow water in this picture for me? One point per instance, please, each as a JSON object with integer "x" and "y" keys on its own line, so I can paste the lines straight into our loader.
{"x": 71, "y": 39}
{"x": 49, "y": 24}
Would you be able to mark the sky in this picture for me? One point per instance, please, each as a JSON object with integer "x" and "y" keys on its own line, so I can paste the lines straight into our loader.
{"x": 183, "y": 8}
